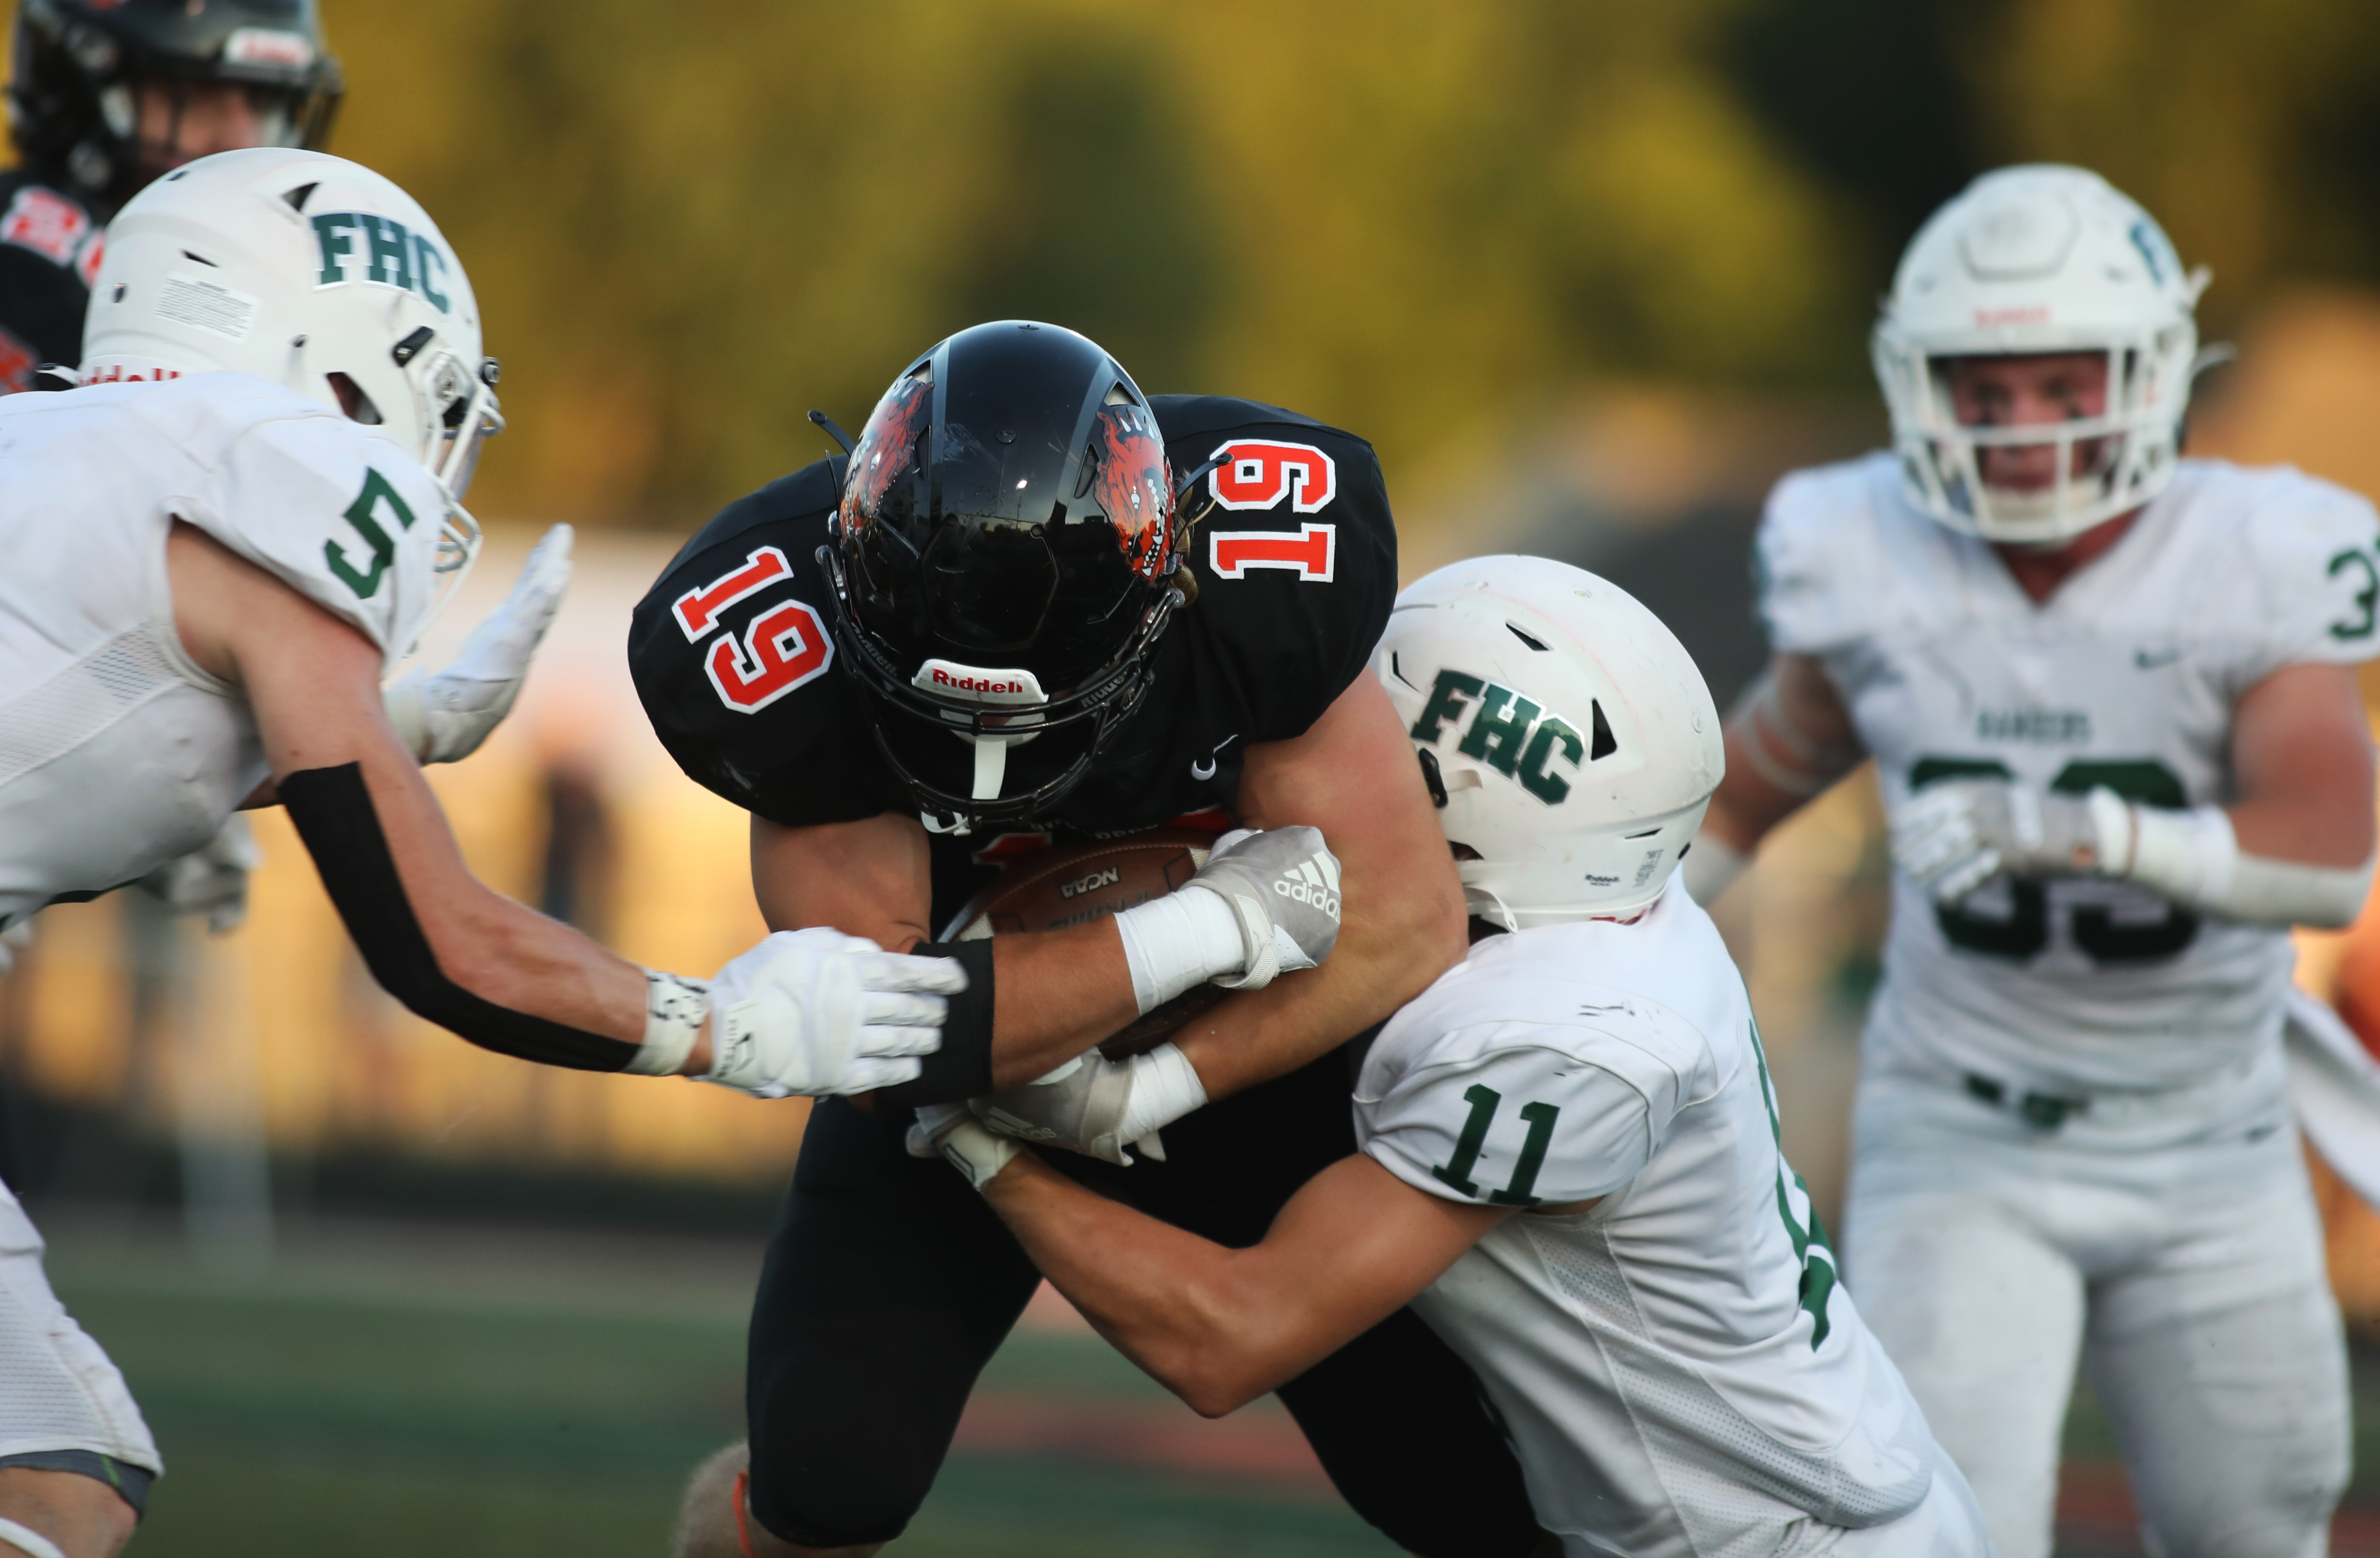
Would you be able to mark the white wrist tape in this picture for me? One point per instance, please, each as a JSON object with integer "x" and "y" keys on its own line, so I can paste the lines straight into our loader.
{"x": 1178, "y": 943}
{"x": 675, "y": 1009}
{"x": 1165, "y": 1087}
{"x": 2194, "y": 858}
{"x": 1711, "y": 866}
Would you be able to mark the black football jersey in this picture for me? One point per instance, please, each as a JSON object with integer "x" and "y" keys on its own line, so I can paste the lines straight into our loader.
{"x": 1296, "y": 564}
{"x": 49, "y": 250}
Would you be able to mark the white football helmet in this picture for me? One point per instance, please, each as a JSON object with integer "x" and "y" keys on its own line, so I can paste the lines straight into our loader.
{"x": 1565, "y": 733}
{"x": 2039, "y": 259}
{"x": 316, "y": 273}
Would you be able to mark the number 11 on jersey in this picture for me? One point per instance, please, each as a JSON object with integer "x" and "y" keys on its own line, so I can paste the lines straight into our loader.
{"x": 1456, "y": 1170}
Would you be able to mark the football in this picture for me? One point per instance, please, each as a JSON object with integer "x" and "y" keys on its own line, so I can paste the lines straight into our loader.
{"x": 1074, "y": 883}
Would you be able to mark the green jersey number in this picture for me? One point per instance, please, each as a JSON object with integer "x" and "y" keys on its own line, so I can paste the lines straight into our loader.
{"x": 2025, "y": 930}
{"x": 1810, "y": 1246}
{"x": 1455, "y": 1173}
{"x": 362, "y": 515}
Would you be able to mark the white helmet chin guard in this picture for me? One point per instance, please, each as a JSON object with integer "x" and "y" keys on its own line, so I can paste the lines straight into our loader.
{"x": 2031, "y": 259}
{"x": 1566, "y": 735}
{"x": 315, "y": 273}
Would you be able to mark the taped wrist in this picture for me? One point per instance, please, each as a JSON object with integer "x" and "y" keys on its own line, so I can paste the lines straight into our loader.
{"x": 675, "y": 1009}
{"x": 332, "y": 810}
{"x": 2194, "y": 858}
{"x": 1178, "y": 943}
{"x": 1165, "y": 1087}
{"x": 962, "y": 1068}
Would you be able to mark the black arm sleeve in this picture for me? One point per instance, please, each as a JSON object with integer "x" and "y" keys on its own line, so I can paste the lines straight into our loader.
{"x": 333, "y": 813}
{"x": 962, "y": 1068}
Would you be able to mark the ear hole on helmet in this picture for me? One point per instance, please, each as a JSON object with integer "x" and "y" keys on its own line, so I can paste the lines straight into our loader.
{"x": 1601, "y": 744}
{"x": 1431, "y": 777}
{"x": 357, "y": 405}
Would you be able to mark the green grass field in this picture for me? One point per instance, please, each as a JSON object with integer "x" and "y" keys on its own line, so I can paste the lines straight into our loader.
{"x": 402, "y": 1390}
{"x": 416, "y": 1399}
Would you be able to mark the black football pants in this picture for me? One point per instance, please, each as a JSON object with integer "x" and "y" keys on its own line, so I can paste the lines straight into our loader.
{"x": 890, "y": 1284}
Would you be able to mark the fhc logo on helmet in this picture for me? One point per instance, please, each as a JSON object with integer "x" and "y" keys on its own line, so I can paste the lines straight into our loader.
{"x": 388, "y": 253}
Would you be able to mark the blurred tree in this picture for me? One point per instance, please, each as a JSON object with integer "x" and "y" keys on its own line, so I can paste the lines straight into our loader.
{"x": 2252, "y": 132}
{"x": 689, "y": 223}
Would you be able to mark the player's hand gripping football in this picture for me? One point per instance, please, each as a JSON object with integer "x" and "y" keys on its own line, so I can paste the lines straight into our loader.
{"x": 818, "y": 1012}
{"x": 1956, "y": 834}
{"x": 1283, "y": 886}
{"x": 443, "y": 715}
{"x": 1098, "y": 1106}
{"x": 212, "y": 880}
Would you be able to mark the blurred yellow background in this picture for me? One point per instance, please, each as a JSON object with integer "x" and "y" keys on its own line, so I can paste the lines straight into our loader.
{"x": 1589, "y": 275}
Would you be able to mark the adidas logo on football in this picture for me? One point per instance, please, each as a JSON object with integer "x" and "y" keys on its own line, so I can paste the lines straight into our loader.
{"x": 1314, "y": 883}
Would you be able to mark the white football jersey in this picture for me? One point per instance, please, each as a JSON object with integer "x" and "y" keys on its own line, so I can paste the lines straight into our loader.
{"x": 116, "y": 752}
{"x": 1680, "y": 1371}
{"x": 2126, "y": 677}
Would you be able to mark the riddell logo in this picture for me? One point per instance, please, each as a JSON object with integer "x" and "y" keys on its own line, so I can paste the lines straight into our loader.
{"x": 979, "y": 683}
{"x": 989, "y": 687}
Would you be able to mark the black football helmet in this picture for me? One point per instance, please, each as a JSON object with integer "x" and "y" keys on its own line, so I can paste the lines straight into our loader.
{"x": 1005, "y": 557}
{"x": 71, "y": 104}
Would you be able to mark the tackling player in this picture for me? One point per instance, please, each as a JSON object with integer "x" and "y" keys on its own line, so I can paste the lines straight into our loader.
{"x": 1568, "y": 1148}
{"x": 1000, "y": 620}
{"x": 105, "y": 95}
{"x": 2111, "y": 697}
{"x": 216, "y": 549}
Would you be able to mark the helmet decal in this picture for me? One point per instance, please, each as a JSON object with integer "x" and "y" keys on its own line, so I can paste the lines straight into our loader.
{"x": 1568, "y": 741}
{"x": 885, "y": 449}
{"x": 1134, "y": 487}
{"x": 1508, "y": 734}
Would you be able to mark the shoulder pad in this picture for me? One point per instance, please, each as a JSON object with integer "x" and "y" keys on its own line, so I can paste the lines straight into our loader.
{"x": 1817, "y": 546}
{"x": 1295, "y": 551}
{"x": 334, "y": 510}
{"x": 734, "y": 657}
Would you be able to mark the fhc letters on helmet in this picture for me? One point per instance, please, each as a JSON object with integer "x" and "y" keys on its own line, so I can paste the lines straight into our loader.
{"x": 389, "y": 255}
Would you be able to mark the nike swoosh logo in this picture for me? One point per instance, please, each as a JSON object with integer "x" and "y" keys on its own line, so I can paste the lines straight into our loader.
{"x": 1206, "y": 771}
{"x": 2148, "y": 661}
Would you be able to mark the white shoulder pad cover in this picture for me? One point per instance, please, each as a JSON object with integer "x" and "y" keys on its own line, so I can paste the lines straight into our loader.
{"x": 2313, "y": 556}
{"x": 332, "y": 508}
{"x": 1816, "y": 549}
{"x": 1570, "y": 1111}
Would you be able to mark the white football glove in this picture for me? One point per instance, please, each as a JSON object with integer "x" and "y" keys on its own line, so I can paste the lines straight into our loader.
{"x": 1098, "y": 1106}
{"x": 442, "y": 716}
{"x": 948, "y": 1131}
{"x": 818, "y": 1012}
{"x": 1283, "y": 885}
{"x": 212, "y": 880}
{"x": 1956, "y": 834}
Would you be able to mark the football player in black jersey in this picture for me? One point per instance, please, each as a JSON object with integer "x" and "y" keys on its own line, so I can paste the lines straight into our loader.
{"x": 999, "y": 616}
{"x": 105, "y": 95}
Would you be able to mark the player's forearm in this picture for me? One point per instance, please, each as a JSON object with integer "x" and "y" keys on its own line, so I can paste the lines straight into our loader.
{"x": 1391, "y": 945}
{"x": 1056, "y": 993}
{"x": 1175, "y": 1304}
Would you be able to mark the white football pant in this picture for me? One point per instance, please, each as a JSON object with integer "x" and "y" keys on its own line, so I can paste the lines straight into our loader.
{"x": 57, "y": 1388}
{"x": 2170, "y": 1241}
